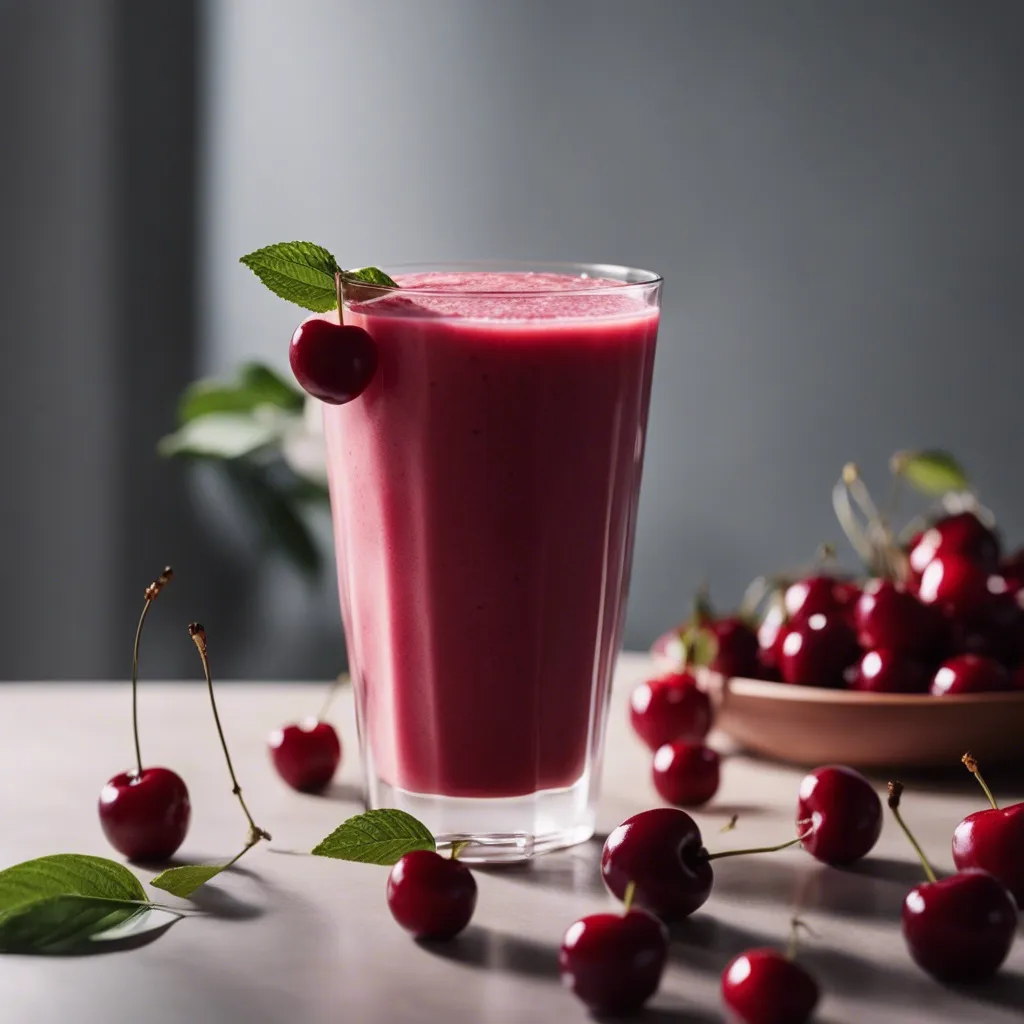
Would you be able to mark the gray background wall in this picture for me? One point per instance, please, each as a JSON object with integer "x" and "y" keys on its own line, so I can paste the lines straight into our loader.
{"x": 831, "y": 189}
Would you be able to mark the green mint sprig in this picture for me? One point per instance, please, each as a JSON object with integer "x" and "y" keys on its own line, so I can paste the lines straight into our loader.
{"x": 67, "y": 902}
{"x": 381, "y": 836}
{"x": 308, "y": 275}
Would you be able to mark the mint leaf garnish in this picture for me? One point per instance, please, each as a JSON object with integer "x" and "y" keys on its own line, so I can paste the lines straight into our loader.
{"x": 300, "y": 272}
{"x": 933, "y": 473}
{"x": 376, "y": 837}
{"x": 303, "y": 273}
{"x": 57, "y": 903}
{"x": 185, "y": 880}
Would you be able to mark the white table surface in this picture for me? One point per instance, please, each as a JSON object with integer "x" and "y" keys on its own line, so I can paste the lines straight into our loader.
{"x": 303, "y": 939}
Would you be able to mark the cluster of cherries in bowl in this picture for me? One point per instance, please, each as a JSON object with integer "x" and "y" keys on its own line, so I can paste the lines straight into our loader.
{"x": 954, "y": 624}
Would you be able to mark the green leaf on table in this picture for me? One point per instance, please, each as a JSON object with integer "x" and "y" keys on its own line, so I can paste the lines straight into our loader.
{"x": 61, "y": 923}
{"x": 53, "y": 904}
{"x": 257, "y": 385}
{"x": 225, "y": 435}
{"x": 376, "y": 837}
{"x": 933, "y": 473}
{"x": 67, "y": 874}
{"x": 185, "y": 880}
{"x": 300, "y": 272}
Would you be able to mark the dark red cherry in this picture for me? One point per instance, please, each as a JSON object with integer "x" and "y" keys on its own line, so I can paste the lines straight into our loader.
{"x": 668, "y": 708}
{"x": 889, "y": 616}
{"x": 816, "y": 651}
{"x": 993, "y": 840}
{"x": 613, "y": 962}
{"x": 685, "y": 774}
{"x": 333, "y": 362}
{"x": 145, "y": 817}
{"x": 1012, "y": 570}
{"x": 737, "y": 651}
{"x": 969, "y": 673}
{"x": 763, "y": 986}
{"x": 958, "y": 588}
{"x": 662, "y": 853}
{"x": 885, "y": 671}
{"x": 960, "y": 929}
{"x": 843, "y": 813}
{"x": 1017, "y": 678}
{"x": 431, "y": 896}
{"x": 998, "y": 632}
{"x": 962, "y": 535}
{"x": 306, "y": 755}
{"x": 824, "y": 595}
{"x": 770, "y": 635}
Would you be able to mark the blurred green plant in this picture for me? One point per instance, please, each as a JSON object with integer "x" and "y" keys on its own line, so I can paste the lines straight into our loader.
{"x": 266, "y": 437}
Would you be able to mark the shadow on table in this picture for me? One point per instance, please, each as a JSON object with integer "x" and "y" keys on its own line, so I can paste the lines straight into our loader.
{"x": 216, "y": 902}
{"x": 668, "y": 1015}
{"x": 343, "y": 793}
{"x": 707, "y": 943}
{"x": 481, "y": 947}
{"x": 575, "y": 871}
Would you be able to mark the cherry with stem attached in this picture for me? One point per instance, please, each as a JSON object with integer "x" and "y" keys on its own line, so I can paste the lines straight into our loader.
{"x": 767, "y": 986}
{"x": 198, "y": 634}
{"x": 432, "y": 896}
{"x": 992, "y": 839}
{"x": 306, "y": 754}
{"x": 145, "y": 812}
{"x": 958, "y": 929}
{"x": 614, "y": 962}
{"x": 661, "y": 852}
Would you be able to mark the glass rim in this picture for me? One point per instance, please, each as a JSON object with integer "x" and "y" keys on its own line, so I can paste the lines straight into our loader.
{"x": 624, "y": 277}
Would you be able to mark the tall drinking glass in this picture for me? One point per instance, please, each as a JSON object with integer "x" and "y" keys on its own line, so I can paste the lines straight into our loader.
{"x": 483, "y": 495}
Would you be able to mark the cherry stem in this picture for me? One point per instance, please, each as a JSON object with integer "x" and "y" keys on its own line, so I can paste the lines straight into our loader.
{"x": 760, "y": 849}
{"x": 150, "y": 596}
{"x": 332, "y": 692}
{"x": 895, "y": 791}
{"x": 337, "y": 291}
{"x": 198, "y": 634}
{"x": 730, "y": 824}
{"x": 795, "y": 925}
{"x": 457, "y": 848}
{"x": 972, "y": 766}
{"x": 627, "y": 897}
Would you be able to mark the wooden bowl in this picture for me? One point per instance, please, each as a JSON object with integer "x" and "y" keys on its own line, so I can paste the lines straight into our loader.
{"x": 807, "y": 726}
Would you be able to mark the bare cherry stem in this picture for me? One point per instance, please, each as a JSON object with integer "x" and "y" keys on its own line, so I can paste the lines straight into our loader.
{"x": 150, "y": 595}
{"x": 895, "y": 792}
{"x": 198, "y": 634}
{"x": 760, "y": 849}
{"x": 972, "y": 766}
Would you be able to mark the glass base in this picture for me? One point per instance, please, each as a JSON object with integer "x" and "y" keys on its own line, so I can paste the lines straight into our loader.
{"x": 504, "y": 830}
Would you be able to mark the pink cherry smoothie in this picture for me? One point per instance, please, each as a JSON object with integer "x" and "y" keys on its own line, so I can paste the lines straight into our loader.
{"x": 483, "y": 494}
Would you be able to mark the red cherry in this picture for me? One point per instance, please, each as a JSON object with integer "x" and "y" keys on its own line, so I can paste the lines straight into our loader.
{"x": 997, "y": 633}
{"x": 993, "y": 840}
{"x": 737, "y": 648}
{"x": 1017, "y": 678}
{"x": 887, "y": 615}
{"x": 819, "y": 595}
{"x": 668, "y": 708}
{"x": 843, "y": 812}
{"x": 817, "y": 651}
{"x": 770, "y": 635}
{"x": 969, "y": 673}
{"x": 662, "y": 853}
{"x": 1012, "y": 570}
{"x": 686, "y": 774}
{"x": 886, "y": 671}
{"x": 333, "y": 362}
{"x": 960, "y": 929}
{"x": 306, "y": 755}
{"x": 145, "y": 817}
{"x": 614, "y": 963}
{"x": 958, "y": 588}
{"x": 962, "y": 535}
{"x": 431, "y": 896}
{"x": 762, "y": 986}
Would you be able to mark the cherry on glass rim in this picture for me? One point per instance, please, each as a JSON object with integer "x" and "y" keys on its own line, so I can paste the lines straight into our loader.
{"x": 333, "y": 362}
